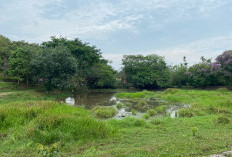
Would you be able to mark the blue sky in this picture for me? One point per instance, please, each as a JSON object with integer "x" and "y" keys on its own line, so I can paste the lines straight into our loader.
{"x": 170, "y": 28}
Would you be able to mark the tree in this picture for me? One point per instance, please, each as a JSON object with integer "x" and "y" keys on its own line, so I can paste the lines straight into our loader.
{"x": 5, "y": 48}
{"x": 146, "y": 71}
{"x": 202, "y": 75}
{"x": 19, "y": 64}
{"x": 178, "y": 75}
{"x": 54, "y": 67}
{"x": 223, "y": 66}
{"x": 88, "y": 59}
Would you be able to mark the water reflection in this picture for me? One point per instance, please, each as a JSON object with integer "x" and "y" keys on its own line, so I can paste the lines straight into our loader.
{"x": 91, "y": 99}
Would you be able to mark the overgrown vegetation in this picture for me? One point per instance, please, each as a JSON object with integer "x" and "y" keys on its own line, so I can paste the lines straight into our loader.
{"x": 26, "y": 122}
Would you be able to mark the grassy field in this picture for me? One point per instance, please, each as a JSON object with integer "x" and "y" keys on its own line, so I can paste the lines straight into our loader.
{"x": 29, "y": 118}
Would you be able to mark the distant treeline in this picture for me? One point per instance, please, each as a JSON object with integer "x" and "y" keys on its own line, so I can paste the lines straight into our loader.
{"x": 61, "y": 63}
{"x": 58, "y": 63}
{"x": 153, "y": 72}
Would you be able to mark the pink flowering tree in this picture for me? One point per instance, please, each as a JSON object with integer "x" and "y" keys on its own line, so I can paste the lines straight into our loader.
{"x": 223, "y": 66}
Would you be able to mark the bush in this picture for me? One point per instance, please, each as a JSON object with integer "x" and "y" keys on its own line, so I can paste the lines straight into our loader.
{"x": 134, "y": 112}
{"x": 146, "y": 116}
{"x": 161, "y": 109}
{"x": 185, "y": 112}
{"x": 104, "y": 112}
{"x": 151, "y": 112}
{"x": 119, "y": 105}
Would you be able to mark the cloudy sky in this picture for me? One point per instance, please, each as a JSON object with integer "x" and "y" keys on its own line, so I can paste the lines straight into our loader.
{"x": 170, "y": 28}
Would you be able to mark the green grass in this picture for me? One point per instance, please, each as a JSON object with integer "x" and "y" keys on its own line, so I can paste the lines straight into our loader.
{"x": 203, "y": 128}
{"x": 136, "y": 95}
{"x": 104, "y": 111}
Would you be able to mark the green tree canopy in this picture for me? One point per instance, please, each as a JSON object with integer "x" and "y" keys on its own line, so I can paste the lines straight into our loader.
{"x": 146, "y": 71}
{"x": 54, "y": 67}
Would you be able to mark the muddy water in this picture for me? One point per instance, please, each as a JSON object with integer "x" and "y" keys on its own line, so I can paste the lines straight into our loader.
{"x": 91, "y": 99}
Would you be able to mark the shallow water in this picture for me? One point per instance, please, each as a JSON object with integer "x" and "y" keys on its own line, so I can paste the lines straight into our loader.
{"x": 91, "y": 99}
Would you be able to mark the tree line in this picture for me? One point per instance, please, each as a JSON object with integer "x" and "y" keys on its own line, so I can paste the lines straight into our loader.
{"x": 61, "y": 63}
{"x": 153, "y": 72}
{"x": 58, "y": 63}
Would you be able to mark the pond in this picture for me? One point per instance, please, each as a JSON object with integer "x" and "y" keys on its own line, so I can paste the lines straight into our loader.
{"x": 91, "y": 99}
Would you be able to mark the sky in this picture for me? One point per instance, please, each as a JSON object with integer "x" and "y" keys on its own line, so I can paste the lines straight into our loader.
{"x": 169, "y": 28}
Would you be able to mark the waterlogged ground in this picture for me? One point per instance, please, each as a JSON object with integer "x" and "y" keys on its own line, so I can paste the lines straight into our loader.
{"x": 27, "y": 119}
{"x": 132, "y": 103}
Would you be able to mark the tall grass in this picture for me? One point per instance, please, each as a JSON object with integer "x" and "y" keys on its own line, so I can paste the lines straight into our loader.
{"x": 47, "y": 122}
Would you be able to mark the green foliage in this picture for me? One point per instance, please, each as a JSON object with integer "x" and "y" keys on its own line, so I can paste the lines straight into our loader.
{"x": 136, "y": 95}
{"x": 185, "y": 112}
{"x": 161, "y": 109}
{"x": 104, "y": 112}
{"x": 146, "y": 71}
{"x": 139, "y": 122}
{"x": 194, "y": 130}
{"x": 171, "y": 90}
{"x": 54, "y": 67}
{"x": 223, "y": 119}
{"x": 178, "y": 75}
{"x": 49, "y": 122}
{"x": 151, "y": 112}
{"x": 19, "y": 64}
{"x": 5, "y": 48}
{"x": 134, "y": 112}
{"x": 156, "y": 121}
{"x": 146, "y": 116}
{"x": 48, "y": 151}
{"x": 119, "y": 105}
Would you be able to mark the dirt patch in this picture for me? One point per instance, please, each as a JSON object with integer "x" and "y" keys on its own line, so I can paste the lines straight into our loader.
{"x": 5, "y": 94}
{"x": 225, "y": 154}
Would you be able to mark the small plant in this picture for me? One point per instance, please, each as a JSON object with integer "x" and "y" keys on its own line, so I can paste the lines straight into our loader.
{"x": 119, "y": 105}
{"x": 194, "y": 130}
{"x": 223, "y": 119}
{"x": 48, "y": 151}
{"x": 185, "y": 112}
{"x": 104, "y": 112}
{"x": 161, "y": 109}
{"x": 134, "y": 112}
{"x": 151, "y": 112}
{"x": 142, "y": 103}
{"x": 146, "y": 116}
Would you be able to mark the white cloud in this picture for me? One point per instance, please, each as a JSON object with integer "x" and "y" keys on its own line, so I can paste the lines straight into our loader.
{"x": 208, "y": 48}
{"x": 94, "y": 19}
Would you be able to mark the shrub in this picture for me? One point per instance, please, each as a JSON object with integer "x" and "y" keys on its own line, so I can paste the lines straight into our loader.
{"x": 104, "y": 112}
{"x": 223, "y": 119}
{"x": 185, "y": 112}
{"x": 119, "y": 105}
{"x": 134, "y": 112}
{"x": 142, "y": 103}
{"x": 161, "y": 109}
{"x": 146, "y": 116}
{"x": 194, "y": 130}
{"x": 48, "y": 151}
{"x": 151, "y": 112}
